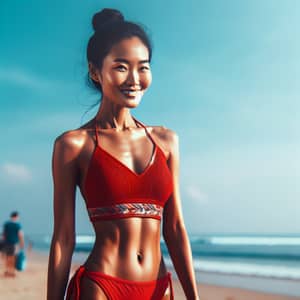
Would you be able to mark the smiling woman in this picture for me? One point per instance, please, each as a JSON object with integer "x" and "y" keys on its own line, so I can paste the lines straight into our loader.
{"x": 128, "y": 175}
{"x": 125, "y": 73}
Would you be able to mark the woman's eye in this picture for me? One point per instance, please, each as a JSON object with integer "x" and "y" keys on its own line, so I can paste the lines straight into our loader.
{"x": 145, "y": 68}
{"x": 121, "y": 68}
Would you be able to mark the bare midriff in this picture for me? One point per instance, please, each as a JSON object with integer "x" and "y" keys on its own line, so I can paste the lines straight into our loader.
{"x": 128, "y": 248}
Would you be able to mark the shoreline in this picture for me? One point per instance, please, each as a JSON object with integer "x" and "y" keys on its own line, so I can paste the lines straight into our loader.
{"x": 271, "y": 285}
{"x": 31, "y": 284}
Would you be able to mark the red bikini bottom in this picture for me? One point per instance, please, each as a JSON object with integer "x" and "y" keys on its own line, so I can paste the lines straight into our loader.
{"x": 120, "y": 289}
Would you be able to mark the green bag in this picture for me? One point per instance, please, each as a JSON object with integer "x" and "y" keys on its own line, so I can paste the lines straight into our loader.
{"x": 20, "y": 264}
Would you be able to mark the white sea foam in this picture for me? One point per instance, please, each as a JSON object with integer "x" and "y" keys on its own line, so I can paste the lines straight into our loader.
{"x": 245, "y": 268}
{"x": 257, "y": 241}
{"x": 82, "y": 239}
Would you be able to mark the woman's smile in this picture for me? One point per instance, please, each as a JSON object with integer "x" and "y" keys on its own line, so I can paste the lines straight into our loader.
{"x": 132, "y": 93}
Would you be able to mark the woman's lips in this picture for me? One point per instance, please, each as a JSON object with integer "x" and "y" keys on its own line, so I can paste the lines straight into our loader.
{"x": 131, "y": 93}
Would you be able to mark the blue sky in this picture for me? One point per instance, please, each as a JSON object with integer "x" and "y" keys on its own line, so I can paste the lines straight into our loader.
{"x": 225, "y": 78}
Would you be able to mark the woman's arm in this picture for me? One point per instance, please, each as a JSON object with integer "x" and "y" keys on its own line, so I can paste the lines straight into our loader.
{"x": 174, "y": 231}
{"x": 65, "y": 174}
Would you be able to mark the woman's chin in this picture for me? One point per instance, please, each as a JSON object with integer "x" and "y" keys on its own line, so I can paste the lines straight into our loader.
{"x": 133, "y": 102}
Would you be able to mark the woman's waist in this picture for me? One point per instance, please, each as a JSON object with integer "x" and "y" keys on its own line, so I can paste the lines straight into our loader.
{"x": 129, "y": 261}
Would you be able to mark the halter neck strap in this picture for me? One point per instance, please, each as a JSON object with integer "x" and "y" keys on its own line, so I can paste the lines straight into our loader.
{"x": 147, "y": 132}
{"x": 96, "y": 132}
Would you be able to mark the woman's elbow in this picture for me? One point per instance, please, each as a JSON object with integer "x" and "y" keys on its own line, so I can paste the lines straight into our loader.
{"x": 65, "y": 241}
{"x": 173, "y": 229}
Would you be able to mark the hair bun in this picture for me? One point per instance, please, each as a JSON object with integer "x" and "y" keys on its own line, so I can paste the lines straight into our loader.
{"x": 106, "y": 15}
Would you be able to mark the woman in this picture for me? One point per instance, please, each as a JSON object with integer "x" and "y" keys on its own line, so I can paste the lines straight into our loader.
{"x": 128, "y": 175}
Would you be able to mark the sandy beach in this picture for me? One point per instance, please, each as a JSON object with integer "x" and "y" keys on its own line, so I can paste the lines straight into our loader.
{"x": 31, "y": 284}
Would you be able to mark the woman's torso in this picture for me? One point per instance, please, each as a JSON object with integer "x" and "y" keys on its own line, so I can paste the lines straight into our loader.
{"x": 127, "y": 248}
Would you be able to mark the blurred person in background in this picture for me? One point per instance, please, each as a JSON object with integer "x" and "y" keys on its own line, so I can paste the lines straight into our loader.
{"x": 12, "y": 237}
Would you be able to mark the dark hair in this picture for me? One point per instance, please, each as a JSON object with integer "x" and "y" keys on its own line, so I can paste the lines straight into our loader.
{"x": 110, "y": 28}
{"x": 14, "y": 214}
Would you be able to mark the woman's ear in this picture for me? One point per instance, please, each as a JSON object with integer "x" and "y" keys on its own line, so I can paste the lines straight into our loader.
{"x": 94, "y": 73}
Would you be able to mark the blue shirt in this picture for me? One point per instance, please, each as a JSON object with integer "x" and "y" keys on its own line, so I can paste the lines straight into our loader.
{"x": 11, "y": 230}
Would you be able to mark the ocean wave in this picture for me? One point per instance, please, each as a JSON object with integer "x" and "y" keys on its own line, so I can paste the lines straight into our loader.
{"x": 244, "y": 268}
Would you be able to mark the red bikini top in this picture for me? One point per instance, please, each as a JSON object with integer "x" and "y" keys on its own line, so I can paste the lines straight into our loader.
{"x": 114, "y": 191}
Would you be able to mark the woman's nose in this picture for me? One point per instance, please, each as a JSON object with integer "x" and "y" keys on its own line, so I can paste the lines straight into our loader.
{"x": 133, "y": 78}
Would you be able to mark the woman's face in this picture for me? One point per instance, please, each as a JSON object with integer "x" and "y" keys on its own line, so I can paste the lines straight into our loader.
{"x": 125, "y": 74}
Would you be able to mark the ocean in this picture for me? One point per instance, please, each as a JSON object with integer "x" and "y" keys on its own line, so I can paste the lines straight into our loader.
{"x": 268, "y": 263}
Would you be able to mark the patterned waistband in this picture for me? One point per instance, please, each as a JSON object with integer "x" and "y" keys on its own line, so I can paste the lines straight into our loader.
{"x": 124, "y": 210}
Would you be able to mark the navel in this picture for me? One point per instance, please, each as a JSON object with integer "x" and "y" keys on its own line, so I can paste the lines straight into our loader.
{"x": 140, "y": 256}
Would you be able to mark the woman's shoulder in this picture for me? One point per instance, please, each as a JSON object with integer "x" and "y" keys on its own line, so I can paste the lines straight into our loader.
{"x": 166, "y": 137}
{"x": 73, "y": 140}
{"x": 71, "y": 137}
{"x": 164, "y": 133}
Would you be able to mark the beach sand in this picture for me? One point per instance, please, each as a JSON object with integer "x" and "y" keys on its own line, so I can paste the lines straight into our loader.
{"x": 31, "y": 284}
